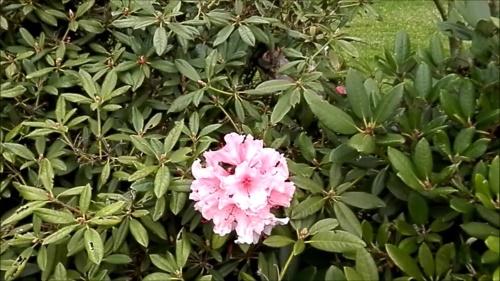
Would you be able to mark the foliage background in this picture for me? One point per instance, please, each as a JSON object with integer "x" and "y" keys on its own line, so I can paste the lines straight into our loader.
{"x": 105, "y": 104}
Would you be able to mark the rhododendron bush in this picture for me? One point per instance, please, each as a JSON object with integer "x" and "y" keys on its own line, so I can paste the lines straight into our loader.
{"x": 244, "y": 140}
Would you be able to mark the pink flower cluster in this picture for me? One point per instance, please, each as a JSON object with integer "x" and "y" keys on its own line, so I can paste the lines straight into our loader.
{"x": 239, "y": 184}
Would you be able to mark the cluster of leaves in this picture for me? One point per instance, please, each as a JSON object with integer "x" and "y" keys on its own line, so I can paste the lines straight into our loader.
{"x": 105, "y": 104}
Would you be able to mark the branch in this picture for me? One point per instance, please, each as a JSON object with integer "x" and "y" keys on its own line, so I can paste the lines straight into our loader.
{"x": 441, "y": 9}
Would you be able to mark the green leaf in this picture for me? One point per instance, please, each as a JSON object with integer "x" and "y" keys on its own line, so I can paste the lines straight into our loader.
{"x": 306, "y": 146}
{"x": 281, "y": 108}
{"x": 19, "y": 150}
{"x": 13, "y": 92}
{"x": 59, "y": 234}
{"x": 157, "y": 276}
{"x": 479, "y": 230}
{"x": 271, "y": 86}
{"x": 142, "y": 173}
{"x": 53, "y": 216}
{"x": 401, "y": 47}
{"x": 85, "y": 198}
{"x": 493, "y": 175}
{"x": 406, "y": 171}
{"x": 142, "y": 144}
{"x": 474, "y": 11}
{"x": 39, "y": 73}
{"x": 46, "y": 174}
{"x": 307, "y": 184}
{"x": 351, "y": 274}
{"x": 463, "y": 140}
{"x": 177, "y": 202}
{"x": 137, "y": 120}
{"x": 418, "y": 208}
{"x": 347, "y": 219}
{"x": 357, "y": 95}
{"x": 94, "y": 245}
{"x": 110, "y": 209}
{"x": 22, "y": 212}
{"x": 331, "y": 116}
{"x": 26, "y": 35}
{"x": 477, "y": 148}
{"x": 139, "y": 232}
{"x": 404, "y": 261}
{"x": 467, "y": 98}
{"x": 366, "y": 266}
{"x": 323, "y": 225}
{"x": 422, "y": 157}
{"x": 246, "y": 35}
{"x": 336, "y": 242}
{"x": 17, "y": 267}
{"x": 278, "y": 241}
{"x": 362, "y": 200}
{"x": 493, "y": 243}
{"x": 160, "y": 40}
{"x": 223, "y": 34}
{"x": 83, "y": 8}
{"x": 162, "y": 181}
{"x": 173, "y": 136}
{"x": 445, "y": 255}
{"x": 109, "y": 84}
{"x": 187, "y": 70}
{"x": 423, "y": 80}
{"x": 389, "y": 103}
{"x": 425, "y": 259}
{"x": 118, "y": 259}
{"x": 182, "y": 250}
{"x": 363, "y": 143}
{"x": 167, "y": 264}
{"x": 88, "y": 84}
{"x": 307, "y": 207}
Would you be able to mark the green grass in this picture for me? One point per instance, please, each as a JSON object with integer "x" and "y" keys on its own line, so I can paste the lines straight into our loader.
{"x": 417, "y": 17}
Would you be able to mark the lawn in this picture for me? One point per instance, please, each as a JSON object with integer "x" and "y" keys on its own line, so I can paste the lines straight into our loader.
{"x": 417, "y": 17}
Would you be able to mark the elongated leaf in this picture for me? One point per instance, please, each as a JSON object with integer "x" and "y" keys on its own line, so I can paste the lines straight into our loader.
{"x": 59, "y": 235}
{"x": 281, "y": 108}
{"x": 336, "y": 242}
{"x": 331, "y": 116}
{"x": 223, "y": 34}
{"x": 357, "y": 95}
{"x": 307, "y": 207}
{"x": 87, "y": 83}
{"x": 422, "y": 157}
{"x": 53, "y": 216}
{"x": 404, "y": 261}
{"x": 406, "y": 171}
{"x": 162, "y": 181}
{"x": 271, "y": 86}
{"x": 387, "y": 106}
{"x": 182, "y": 250}
{"x": 94, "y": 245}
{"x": 362, "y": 200}
{"x": 246, "y": 35}
{"x": 139, "y": 232}
{"x": 46, "y": 174}
{"x": 172, "y": 137}
{"x": 19, "y": 150}
{"x": 423, "y": 80}
{"x": 160, "y": 40}
{"x": 347, "y": 219}
{"x": 167, "y": 264}
{"x": 323, "y": 225}
{"x": 187, "y": 70}
{"x": 278, "y": 241}
{"x": 366, "y": 266}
